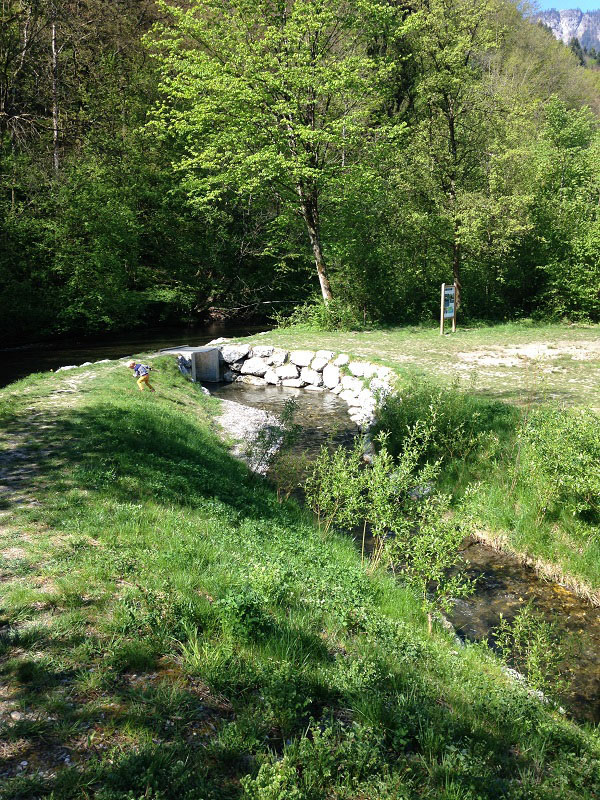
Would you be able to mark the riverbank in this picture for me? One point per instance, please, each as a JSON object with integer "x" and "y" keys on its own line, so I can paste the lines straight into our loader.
{"x": 170, "y": 629}
{"x": 517, "y": 421}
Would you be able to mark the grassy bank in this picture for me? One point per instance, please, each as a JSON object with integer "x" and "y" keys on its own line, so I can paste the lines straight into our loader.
{"x": 516, "y": 426}
{"x": 170, "y": 631}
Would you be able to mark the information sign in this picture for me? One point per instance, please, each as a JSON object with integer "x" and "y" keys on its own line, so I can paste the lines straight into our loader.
{"x": 448, "y": 306}
{"x": 449, "y": 298}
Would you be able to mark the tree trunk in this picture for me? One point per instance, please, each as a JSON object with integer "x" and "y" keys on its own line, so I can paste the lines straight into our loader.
{"x": 54, "y": 98}
{"x": 310, "y": 214}
{"x": 456, "y": 261}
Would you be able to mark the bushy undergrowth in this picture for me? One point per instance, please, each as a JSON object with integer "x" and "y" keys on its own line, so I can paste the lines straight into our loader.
{"x": 181, "y": 634}
{"x": 315, "y": 315}
{"x": 529, "y": 473}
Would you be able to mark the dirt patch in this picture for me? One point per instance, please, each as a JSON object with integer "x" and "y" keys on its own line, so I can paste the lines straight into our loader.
{"x": 523, "y": 355}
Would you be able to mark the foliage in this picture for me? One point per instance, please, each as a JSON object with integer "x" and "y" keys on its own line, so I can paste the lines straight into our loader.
{"x": 408, "y": 521}
{"x": 559, "y": 459}
{"x": 336, "y": 315}
{"x": 532, "y": 646}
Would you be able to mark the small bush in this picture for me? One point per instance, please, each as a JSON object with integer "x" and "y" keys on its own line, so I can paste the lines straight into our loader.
{"x": 315, "y": 315}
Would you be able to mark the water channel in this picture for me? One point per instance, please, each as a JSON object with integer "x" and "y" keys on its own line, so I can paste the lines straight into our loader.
{"x": 504, "y": 586}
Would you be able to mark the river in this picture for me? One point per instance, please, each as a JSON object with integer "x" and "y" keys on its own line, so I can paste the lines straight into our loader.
{"x": 18, "y": 362}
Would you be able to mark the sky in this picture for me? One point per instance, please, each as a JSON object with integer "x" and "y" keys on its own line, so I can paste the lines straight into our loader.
{"x": 544, "y": 5}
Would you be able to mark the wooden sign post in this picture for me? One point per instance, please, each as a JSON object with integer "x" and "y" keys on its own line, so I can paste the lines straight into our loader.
{"x": 448, "y": 306}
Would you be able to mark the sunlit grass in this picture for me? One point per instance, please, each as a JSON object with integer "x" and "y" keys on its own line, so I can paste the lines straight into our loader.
{"x": 172, "y": 629}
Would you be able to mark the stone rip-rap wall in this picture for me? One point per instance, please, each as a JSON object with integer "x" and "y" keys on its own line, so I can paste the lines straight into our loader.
{"x": 361, "y": 384}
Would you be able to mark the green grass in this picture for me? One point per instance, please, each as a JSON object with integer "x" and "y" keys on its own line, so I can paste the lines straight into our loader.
{"x": 169, "y": 630}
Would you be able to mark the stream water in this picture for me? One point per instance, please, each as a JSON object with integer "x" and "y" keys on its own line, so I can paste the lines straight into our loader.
{"x": 504, "y": 586}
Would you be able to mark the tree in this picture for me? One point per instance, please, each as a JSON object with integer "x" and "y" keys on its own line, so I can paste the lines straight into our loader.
{"x": 274, "y": 94}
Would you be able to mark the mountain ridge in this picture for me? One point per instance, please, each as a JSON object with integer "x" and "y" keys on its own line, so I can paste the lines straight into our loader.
{"x": 572, "y": 23}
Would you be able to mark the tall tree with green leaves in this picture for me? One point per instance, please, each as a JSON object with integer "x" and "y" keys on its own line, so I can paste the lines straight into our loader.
{"x": 277, "y": 94}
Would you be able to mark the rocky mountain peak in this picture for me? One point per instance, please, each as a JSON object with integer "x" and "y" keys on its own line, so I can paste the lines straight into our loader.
{"x": 572, "y": 23}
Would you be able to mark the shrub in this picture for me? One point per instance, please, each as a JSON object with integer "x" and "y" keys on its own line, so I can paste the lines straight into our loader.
{"x": 315, "y": 315}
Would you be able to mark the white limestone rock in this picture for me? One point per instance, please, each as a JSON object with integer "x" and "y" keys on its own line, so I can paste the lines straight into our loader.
{"x": 262, "y": 351}
{"x": 293, "y": 383}
{"x": 354, "y": 384}
{"x": 220, "y": 340}
{"x": 255, "y": 366}
{"x": 234, "y": 352}
{"x": 349, "y": 397}
{"x": 278, "y": 357}
{"x": 253, "y": 380}
{"x": 272, "y": 377}
{"x": 311, "y": 388}
{"x": 331, "y": 376}
{"x": 318, "y": 363}
{"x": 326, "y": 354}
{"x": 337, "y": 389}
{"x": 311, "y": 376}
{"x": 342, "y": 360}
{"x": 287, "y": 372}
{"x": 362, "y": 369}
{"x": 301, "y": 358}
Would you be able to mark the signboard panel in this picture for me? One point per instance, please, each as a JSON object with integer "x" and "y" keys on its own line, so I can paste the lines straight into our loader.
{"x": 448, "y": 306}
{"x": 449, "y": 300}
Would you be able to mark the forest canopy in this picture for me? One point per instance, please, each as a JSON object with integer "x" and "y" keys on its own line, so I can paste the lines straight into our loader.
{"x": 175, "y": 161}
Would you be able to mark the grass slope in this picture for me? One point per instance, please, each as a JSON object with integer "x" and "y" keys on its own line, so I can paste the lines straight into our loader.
{"x": 517, "y": 417}
{"x": 170, "y": 631}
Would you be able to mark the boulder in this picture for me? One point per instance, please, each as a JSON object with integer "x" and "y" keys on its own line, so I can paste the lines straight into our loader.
{"x": 301, "y": 358}
{"x": 255, "y": 366}
{"x": 310, "y": 376}
{"x": 263, "y": 351}
{"x": 272, "y": 377}
{"x": 234, "y": 352}
{"x": 311, "y": 388}
{"x": 253, "y": 380}
{"x": 319, "y": 363}
{"x": 337, "y": 389}
{"x": 354, "y": 384}
{"x": 278, "y": 357}
{"x": 287, "y": 371}
{"x": 341, "y": 360}
{"x": 326, "y": 354}
{"x": 236, "y": 366}
{"x": 293, "y": 383}
{"x": 331, "y": 376}
{"x": 362, "y": 369}
{"x": 349, "y": 397}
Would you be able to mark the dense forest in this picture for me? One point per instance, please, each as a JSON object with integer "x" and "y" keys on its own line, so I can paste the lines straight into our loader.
{"x": 171, "y": 161}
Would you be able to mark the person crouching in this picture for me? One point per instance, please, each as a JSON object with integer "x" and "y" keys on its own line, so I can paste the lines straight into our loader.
{"x": 142, "y": 373}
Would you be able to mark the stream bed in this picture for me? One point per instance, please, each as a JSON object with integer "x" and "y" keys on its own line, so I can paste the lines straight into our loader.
{"x": 504, "y": 585}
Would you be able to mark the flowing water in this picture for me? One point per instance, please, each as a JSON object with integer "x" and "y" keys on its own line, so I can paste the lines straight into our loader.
{"x": 504, "y": 586}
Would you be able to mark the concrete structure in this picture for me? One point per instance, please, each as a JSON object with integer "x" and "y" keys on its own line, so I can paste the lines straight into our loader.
{"x": 206, "y": 362}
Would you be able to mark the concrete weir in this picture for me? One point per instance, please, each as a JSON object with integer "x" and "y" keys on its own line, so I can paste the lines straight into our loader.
{"x": 206, "y": 362}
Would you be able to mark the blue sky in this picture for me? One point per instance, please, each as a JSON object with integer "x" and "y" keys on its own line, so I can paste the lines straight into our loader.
{"x": 546, "y": 4}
